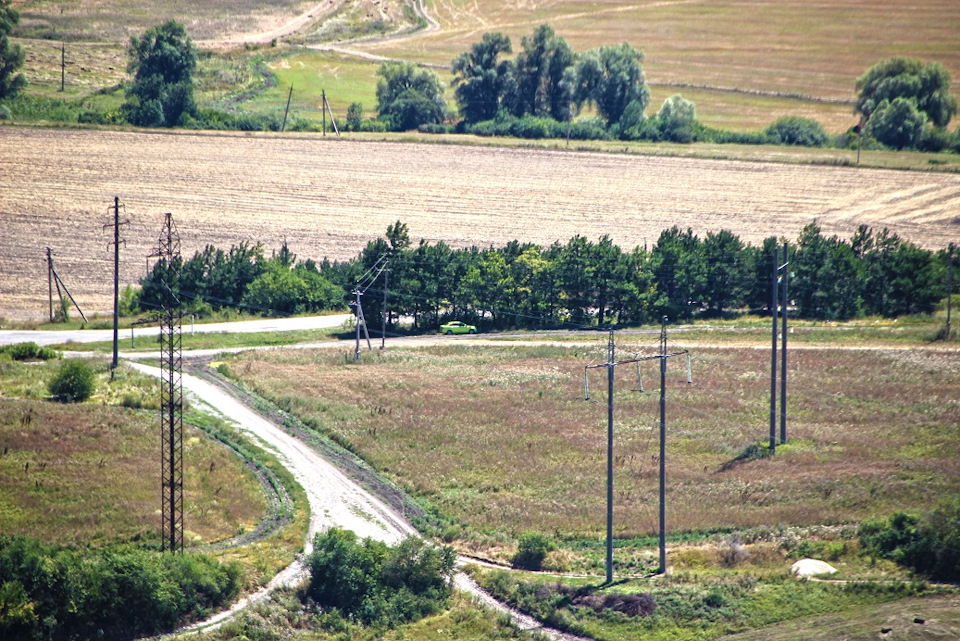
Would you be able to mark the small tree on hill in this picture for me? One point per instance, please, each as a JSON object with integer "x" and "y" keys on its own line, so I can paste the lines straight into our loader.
{"x": 611, "y": 78}
{"x": 11, "y": 55}
{"x": 162, "y": 60}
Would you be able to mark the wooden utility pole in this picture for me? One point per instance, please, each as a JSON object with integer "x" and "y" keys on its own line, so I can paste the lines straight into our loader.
{"x": 949, "y": 286}
{"x": 323, "y": 109}
{"x": 774, "y": 301}
{"x": 116, "y": 280}
{"x": 50, "y": 281}
{"x": 63, "y": 65}
{"x": 783, "y": 347}
{"x": 283, "y": 127}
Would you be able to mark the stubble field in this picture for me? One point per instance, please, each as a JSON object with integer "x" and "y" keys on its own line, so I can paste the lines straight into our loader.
{"x": 327, "y": 198}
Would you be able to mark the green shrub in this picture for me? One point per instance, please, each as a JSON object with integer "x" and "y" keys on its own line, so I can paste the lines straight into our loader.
{"x": 74, "y": 382}
{"x": 5, "y": 113}
{"x": 50, "y": 592}
{"x": 376, "y": 584}
{"x": 928, "y": 544}
{"x": 532, "y": 549}
{"x": 433, "y": 128}
{"x": 794, "y": 130}
{"x": 23, "y": 351}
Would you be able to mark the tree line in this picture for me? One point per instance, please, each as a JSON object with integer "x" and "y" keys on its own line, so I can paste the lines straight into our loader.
{"x": 546, "y": 91}
{"x": 903, "y": 102}
{"x": 576, "y": 283}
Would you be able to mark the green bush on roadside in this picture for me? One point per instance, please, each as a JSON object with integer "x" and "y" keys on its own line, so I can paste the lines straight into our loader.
{"x": 532, "y": 549}
{"x": 74, "y": 382}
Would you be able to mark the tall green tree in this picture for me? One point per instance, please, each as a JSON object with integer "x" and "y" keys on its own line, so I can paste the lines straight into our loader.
{"x": 163, "y": 61}
{"x": 725, "y": 273}
{"x": 678, "y": 271}
{"x": 676, "y": 119}
{"x": 926, "y": 84}
{"x": 409, "y": 96}
{"x": 544, "y": 72}
{"x": 611, "y": 78}
{"x": 11, "y": 55}
{"x": 482, "y": 78}
{"x": 828, "y": 277}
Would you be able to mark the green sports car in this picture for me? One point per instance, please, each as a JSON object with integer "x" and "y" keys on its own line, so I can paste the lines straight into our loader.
{"x": 457, "y": 327}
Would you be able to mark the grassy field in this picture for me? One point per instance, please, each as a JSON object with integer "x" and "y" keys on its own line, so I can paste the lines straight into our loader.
{"x": 499, "y": 439}
{"x": 76, "y": 473}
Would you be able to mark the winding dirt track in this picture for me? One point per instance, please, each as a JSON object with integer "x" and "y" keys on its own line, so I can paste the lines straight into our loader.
{"x": 329, "y": 197}
{"x": 335, "y": 500}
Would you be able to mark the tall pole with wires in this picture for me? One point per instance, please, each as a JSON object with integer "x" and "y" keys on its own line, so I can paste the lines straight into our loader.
{"x": 774, "y": 302}
{"x": 116, "y": 281}
{"x": 783, "y": 344}
{"x": 610, "y": 365}
{"x": 363, "y": 284}
{"x": 611, "y": 347}
{"x": 386, "y": 280}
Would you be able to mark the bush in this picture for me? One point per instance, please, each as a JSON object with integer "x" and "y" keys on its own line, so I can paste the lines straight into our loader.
{"x": 74, "y": 382}
{"x": 374, "y": 125}
{"x": 30, "y": 351}
{"x": 376, "y": 584}
{"x": 793, "y": 130}
{"x": 532, "y": 549}
{"x": 5, "y": 112}
{"x": 49, "y": 592}
{"x": 433, "y": 128}
{"x": 589, "y": 129}
{"x": 929, "y": 544}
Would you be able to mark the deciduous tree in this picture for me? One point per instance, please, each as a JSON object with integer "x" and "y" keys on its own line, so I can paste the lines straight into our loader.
{"x": 163, "y": 61}
{"x": 409, "y": 96}
{"x": 482, "y": 79}
{"x": 11, "y": 55}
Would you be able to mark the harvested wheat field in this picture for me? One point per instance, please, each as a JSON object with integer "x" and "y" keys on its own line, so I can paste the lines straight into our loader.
{"x": 328, "y": 197}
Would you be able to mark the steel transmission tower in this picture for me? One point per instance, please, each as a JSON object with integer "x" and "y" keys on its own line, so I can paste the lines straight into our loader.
{"x": 171, "y": 389}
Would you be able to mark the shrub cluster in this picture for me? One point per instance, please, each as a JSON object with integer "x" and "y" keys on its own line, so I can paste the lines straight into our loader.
{"x": 50, "y": 592}
{"x": 532, "y": 549}
{"x": 30, "y": 351}
{"x": 377, "y": 585}
{"x": 928, "y": 544}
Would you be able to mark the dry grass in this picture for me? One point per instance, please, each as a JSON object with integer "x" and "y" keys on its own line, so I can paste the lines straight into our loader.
{"x": 91, "y": 472}
{"x": 500, "y": 438}
{"x": 803, "y": 47}
{"x": 117, "y": 20}
{"x": 329, "y": 197}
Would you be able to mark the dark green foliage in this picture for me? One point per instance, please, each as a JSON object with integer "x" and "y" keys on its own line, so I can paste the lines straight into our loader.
{"x": 379, "y": 585}
{"x": 611, "y": 78}
{"x": 794, "y": 130}
{"x": 897, "y": 123}
{"x": 354, "y": 116}
{"x": 11, "y": 55}
{"x": 929, "y": 544}
{"x": 163, "y": 61}
{"x": 409, "y": 96}
{"x": 925, "y": 85}
{"x": 828, "y": 277}
{"x": 49, "y": 592}
{"x": 282, "y": 290}
{"x": 30, "y": 351}
{"x": 74, "y": 382}
{"x": 544, "y": 76}
{"x": 481, "y": 79}
{"x": 532, "y": 549}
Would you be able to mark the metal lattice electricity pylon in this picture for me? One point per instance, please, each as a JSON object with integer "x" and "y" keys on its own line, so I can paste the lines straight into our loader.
{"x": 171, "y": 389}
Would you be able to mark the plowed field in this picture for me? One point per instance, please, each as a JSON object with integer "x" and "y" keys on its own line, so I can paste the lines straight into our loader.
{"x": 328, "y": 197}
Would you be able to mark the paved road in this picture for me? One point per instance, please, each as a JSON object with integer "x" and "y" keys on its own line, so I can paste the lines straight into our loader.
{"x": 57, "y": 337}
